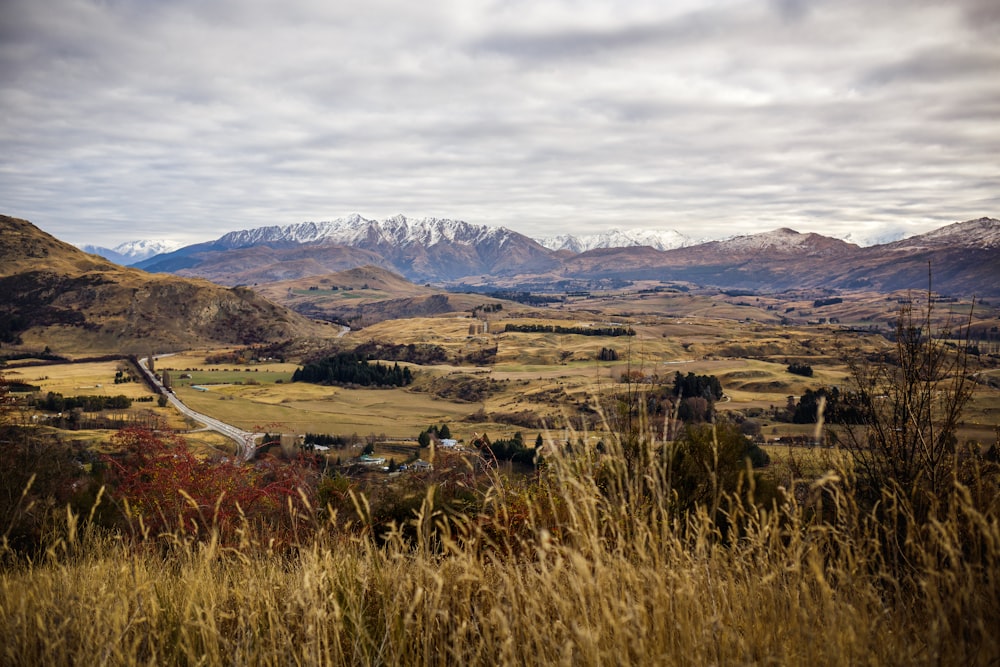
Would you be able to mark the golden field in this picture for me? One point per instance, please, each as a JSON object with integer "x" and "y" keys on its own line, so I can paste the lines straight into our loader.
{"x": 738, "y": 339}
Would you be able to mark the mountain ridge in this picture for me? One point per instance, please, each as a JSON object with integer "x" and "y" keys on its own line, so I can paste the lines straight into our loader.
{"x": 452, "y": 252}
{"x": 427, "y": 249}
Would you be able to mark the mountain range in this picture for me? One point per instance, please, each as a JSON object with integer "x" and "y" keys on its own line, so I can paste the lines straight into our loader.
{"x": 53, "y": 294}
{"x": 963, "y": 258}
{"x": 429, "y": 250}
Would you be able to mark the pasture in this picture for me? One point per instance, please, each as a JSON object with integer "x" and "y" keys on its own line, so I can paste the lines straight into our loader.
{"x": 299, "y": 408}
{"x": 83, "y": 379}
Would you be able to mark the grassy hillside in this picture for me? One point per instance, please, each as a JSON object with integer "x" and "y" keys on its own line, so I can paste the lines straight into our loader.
{"x": 53, "y": 295}
{"x": 365, "y": 296}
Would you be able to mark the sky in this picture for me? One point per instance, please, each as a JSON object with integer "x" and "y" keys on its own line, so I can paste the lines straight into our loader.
{"x": 185, "y": 119}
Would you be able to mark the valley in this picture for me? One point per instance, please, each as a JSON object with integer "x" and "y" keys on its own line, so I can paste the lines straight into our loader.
{"x": 539, "y": 357}
{"x": 500, "y": 334}
{"x": 479, "y": 378}
{"x": 527, "y": 434}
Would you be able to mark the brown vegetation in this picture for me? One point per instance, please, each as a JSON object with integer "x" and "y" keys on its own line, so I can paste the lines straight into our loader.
{"x": 594, "y": 562}
{"x": 68, "y": 301}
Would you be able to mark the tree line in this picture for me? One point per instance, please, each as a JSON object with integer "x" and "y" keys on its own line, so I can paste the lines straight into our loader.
{"x": 349, "y": 368}
{"x": 54, "y": 402}
{"x": 559, "y": 329}
{"x": 512, "y": 449}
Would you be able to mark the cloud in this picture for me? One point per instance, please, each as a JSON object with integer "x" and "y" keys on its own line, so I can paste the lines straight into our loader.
{"x": 181, "y": 119}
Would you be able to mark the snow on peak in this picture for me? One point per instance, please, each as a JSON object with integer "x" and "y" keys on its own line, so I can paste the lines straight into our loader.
{"x": 131, "y": 252}
{"x": 617, "y": 238}
{"x": 354, "y": 229}
{"x": 146, "y": 248}
{"x": 981, "y": 233}
{"x": 866, "y": 238}
{"x": 777, "y": 239}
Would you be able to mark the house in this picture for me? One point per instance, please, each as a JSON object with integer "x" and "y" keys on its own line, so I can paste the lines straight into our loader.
{"x": 450, "y": 443}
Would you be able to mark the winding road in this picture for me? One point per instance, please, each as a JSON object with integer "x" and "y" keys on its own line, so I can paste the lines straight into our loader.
{"x": 245, "y": 447}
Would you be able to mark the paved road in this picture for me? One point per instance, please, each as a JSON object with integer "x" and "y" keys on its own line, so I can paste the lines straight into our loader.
{"x": 245, "y": 447}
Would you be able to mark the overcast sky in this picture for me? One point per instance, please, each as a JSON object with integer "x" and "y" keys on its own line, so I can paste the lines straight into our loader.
{"x": 185, "y": 119}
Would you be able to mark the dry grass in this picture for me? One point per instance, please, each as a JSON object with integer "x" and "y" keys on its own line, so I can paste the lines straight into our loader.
{"x": 83, "y": 379}
{"x": 304, "y": 408}
{"x": 566, "y": 571}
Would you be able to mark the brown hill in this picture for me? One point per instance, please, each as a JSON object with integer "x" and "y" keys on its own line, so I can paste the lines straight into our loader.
{"x": 54, "y": 295}
{"x": 364, "y": 296}
{"x": 263, "y": 264}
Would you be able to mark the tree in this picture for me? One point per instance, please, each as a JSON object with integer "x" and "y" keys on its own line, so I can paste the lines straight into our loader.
{"x": 607, "y": 354}
{"x": 700, "y": 386}
{"x": 837, "y": 408}
{"x": 444, "y": 432}
{"x": 909, "y": 406}
{"x": 710, "y": 459}
{"x": 804, "y": 370}
{"x": 695, "y": 409}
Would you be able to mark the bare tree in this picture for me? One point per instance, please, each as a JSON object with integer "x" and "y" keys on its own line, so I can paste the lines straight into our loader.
{"x": 910, "y": 403}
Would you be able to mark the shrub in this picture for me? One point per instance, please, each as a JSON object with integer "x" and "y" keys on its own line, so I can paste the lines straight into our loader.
{"x": 164, "y": 488}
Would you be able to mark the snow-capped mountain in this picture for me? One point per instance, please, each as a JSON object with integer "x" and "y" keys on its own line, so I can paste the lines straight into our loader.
{"x": 131, "y": 252}
{"x": 665, "y": 239}
{"x": 983, "y": 233}
{"x": 357, "y": 231}
{"x": 428, "y": 249}
{"x": 782, "y": 240}
{"x": 459, "y": 253}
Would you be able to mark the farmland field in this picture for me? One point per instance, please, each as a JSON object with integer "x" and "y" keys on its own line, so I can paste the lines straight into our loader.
{"x": 553, "y": 376}
{"x": 313, "y": 409}
{"x": 83, "y": 379}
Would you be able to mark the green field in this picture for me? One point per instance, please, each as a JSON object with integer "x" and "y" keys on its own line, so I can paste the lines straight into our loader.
{"x": 249, "y": 376}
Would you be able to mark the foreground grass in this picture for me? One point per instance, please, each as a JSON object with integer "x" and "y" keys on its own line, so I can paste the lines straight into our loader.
{"x": 567, "y": 570}
{"x": 347, "y": 603}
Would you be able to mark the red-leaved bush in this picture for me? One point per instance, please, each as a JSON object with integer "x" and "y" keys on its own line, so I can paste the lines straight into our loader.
{"x": 167, "y": 489}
